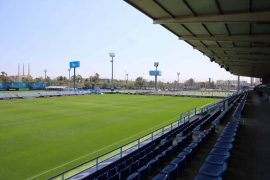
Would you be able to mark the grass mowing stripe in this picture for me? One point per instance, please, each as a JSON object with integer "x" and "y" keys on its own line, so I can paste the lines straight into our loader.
{"x": 38, "y": 134}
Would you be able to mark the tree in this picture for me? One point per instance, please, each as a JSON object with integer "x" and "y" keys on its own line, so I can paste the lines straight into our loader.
{"x": 94, "y": 79}
{"x": 61, "y": 79}
{"x": 48, "y": 79}
{"x": 190, "y": 82}
{"x": 87, "y": 84}
{"x": 27, "y": 79}
{"x": 140, "y": 82}
{"x": 78, "y": 78}
{"x": 39, "y": 79}
{"x": 3, "y": 76}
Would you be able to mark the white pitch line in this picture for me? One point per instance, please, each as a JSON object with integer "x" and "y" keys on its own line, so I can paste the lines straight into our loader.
{"x": 45, "y": 172}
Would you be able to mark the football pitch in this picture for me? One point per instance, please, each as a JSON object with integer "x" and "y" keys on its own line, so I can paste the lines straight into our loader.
{"x": 42, "y": 137}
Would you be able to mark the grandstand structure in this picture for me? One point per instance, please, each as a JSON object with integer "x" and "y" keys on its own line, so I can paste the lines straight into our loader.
{"x": 228, "y": 140}
{"x": 43, "y": 94}
{"x": 186, "y": 93}
{"x": 236, "y": 35}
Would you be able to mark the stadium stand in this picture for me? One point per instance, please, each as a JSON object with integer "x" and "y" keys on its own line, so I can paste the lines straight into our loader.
{"x": 42, "y": 94}
{"x": 215, "y": 164}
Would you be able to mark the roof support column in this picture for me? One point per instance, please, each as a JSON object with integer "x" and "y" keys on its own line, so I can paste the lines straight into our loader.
{"x": 238, "y": 84}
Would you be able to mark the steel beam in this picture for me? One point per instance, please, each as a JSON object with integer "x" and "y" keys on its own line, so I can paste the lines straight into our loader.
{"x": 263, "y": 16}
{"x": 233, "y": 38}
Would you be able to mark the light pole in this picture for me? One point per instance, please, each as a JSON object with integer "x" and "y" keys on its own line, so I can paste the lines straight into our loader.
{"x": 126, "y": 78}
{"x": 156, "y": 65}
{"x": 178, "y": 74}
{"x": 45, "y": 71}
{"x": 112, "y": 55}
{"x": 69, "y": 78}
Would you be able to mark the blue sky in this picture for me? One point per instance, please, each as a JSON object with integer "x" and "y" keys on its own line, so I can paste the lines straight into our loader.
{"x": 48, "y": 34}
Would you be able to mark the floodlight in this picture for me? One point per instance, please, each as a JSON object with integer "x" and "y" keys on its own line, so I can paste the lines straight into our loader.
{"x": 112, "y": 55}
{"x": 156, "y": 64}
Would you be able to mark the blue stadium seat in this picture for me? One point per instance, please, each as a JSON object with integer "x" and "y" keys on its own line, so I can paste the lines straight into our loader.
{"x": 198, "y": 141}
{"x": 143, "y": 172}
{"x": 124, "y": 173}
{"x": 215, "y": 159}
{"x": 114, "y": 177}
{"x": 223, "y": 145}
{"x": 149, "y": 156}
{"x": 171, "y": 171}
{"x": 203, "y": 177}
{"x": 194, "y": 147}
{"x": 167, "y": 153}
{"x": 142, "y": 161}
{"x": 182, "y": 154}
{"x": 134, "y": 166}
{"x": 155, "y": 152}
{"x": 219, "y": 152}
{"x": 135, "y": 157}
{"x": 180, "y": 161}
{"x": 129, "y": 161}
{"x": 141, "y": 154}
{"x": 134, "y": 176}
{"x": 226, "y": 139}
{"x": 121, "y": 166}
{"x": 161, "y": 177}
{"x": 102, "y": 176}
{"x": 111, "y": 171}
{"x": 213, "y": 170}
{"x": 188, "y": 153}
{"x": 228, "y": 135}
{"x": 153, "y": 166}
{"x": 175, "y": 149}
{"x": 161, "y": 159}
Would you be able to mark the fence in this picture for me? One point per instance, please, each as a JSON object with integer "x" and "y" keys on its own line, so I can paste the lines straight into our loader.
{"x": 96, "y": 163}
{"x": 24, "y": 85}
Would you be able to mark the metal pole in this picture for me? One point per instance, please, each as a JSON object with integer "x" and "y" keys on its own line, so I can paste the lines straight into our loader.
{"x": 68, "y": 78}
{"x": 238, "y": 83}
{"x": 156, "y": 79}
{"x": 178, "y": 74}
{"x": 112, "y": 71}
{"x": 121, "y": 152}
{"x": 74, "y": 79}
{"x": 45, "y": 71}
{"x": 96, "y": 163}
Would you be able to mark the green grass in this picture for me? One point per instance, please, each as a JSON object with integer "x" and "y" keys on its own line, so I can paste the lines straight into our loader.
{"x": 48, "y": 136}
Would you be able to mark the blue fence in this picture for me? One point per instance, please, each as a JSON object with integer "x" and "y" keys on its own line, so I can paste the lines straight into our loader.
{"x": 5, "y": 86}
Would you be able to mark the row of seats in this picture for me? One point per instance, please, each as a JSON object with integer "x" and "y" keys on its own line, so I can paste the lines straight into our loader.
{"x": 147, "y": 158}
{"x": 216, "y": 162}
{"x": 157, "y": 152}
{"x": 178, "y": 164}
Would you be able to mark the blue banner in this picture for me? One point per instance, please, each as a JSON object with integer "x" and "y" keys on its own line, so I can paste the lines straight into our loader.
{"x": 74, "y": 64}
{"x": 155, "y": 73}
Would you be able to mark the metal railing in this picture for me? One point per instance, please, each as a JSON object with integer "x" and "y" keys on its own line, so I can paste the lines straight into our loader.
{"x": 96, "y": 163}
